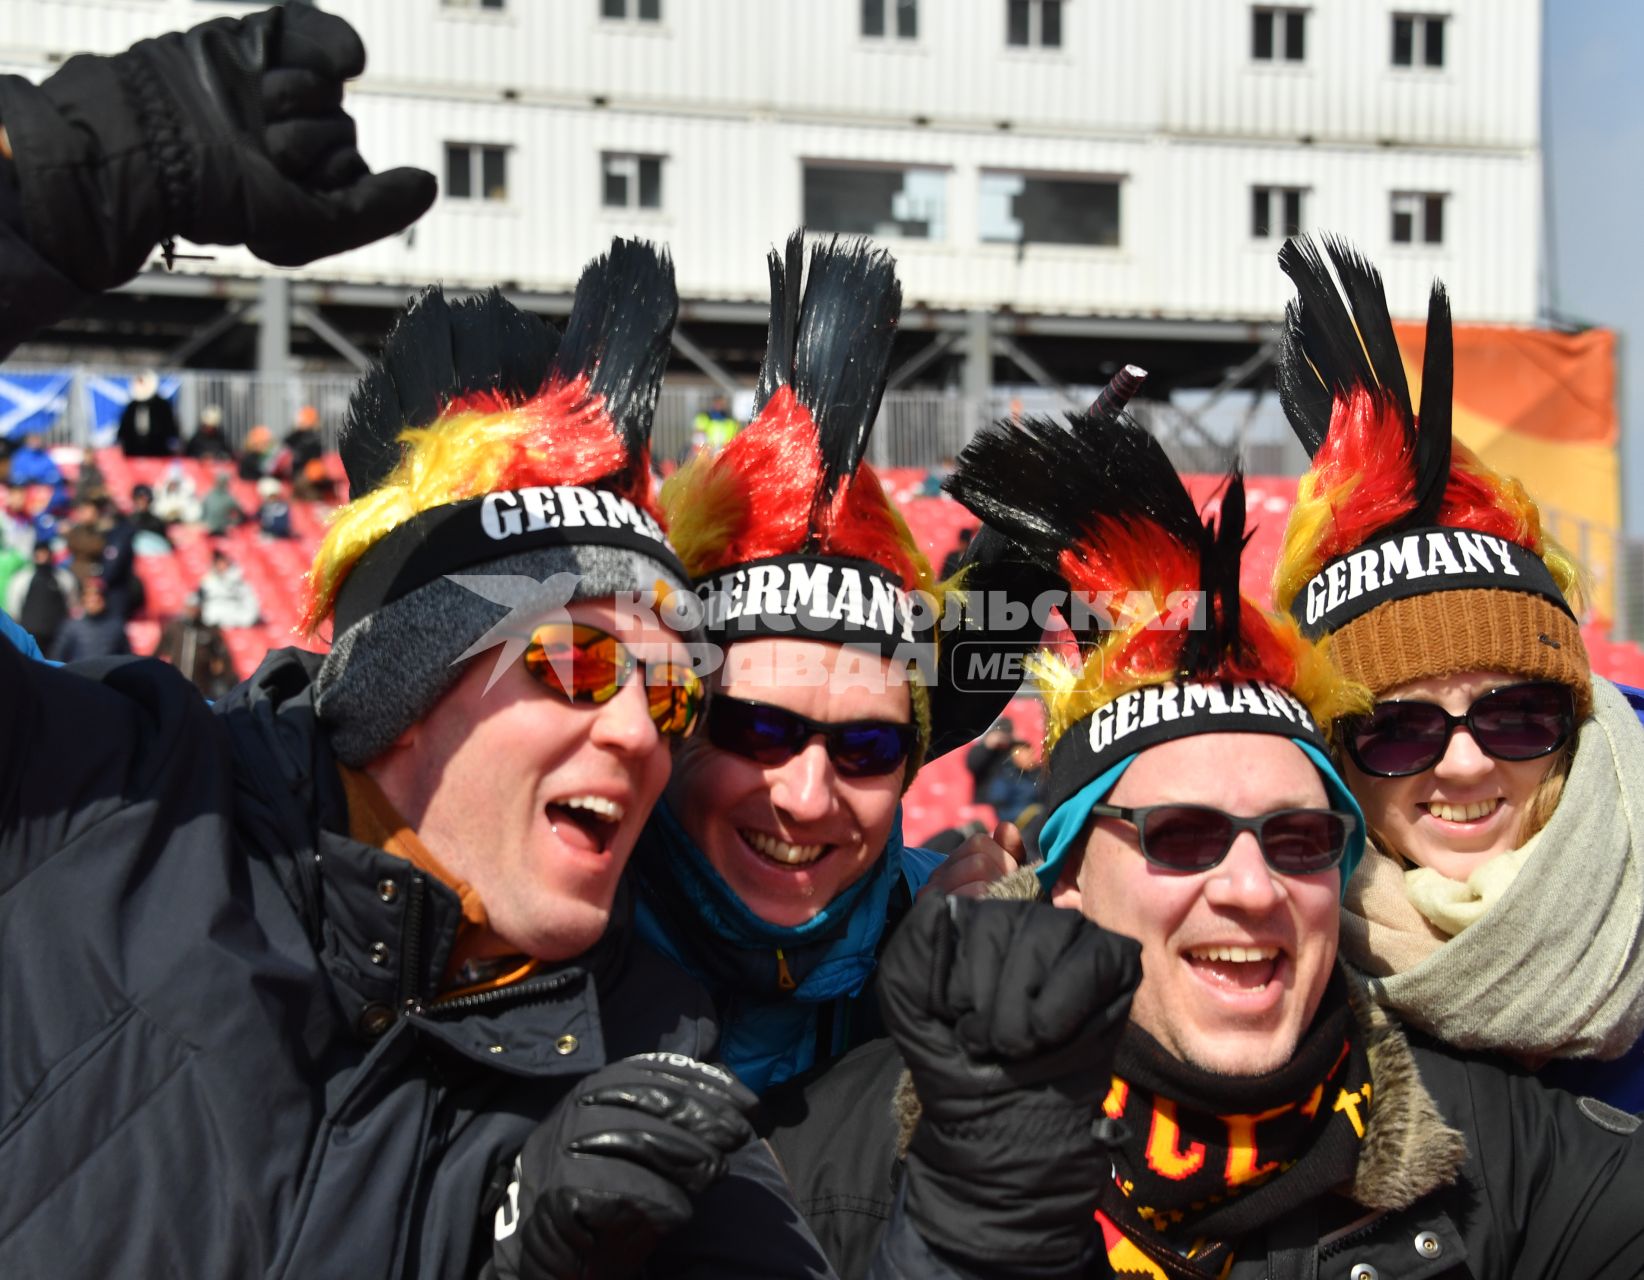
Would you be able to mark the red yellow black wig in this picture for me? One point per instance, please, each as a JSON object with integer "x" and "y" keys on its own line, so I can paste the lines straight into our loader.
{"x": 475, "y": 396}
{"x": 1099, "y": 502}
{"x": 1381, "y": 471}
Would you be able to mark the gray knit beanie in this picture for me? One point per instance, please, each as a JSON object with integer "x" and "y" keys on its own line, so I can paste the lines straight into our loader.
{"x": 386, "y": 671}
{"x": 411, "y": 606}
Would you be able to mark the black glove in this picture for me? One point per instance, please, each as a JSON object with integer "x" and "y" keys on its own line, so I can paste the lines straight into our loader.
{"x": 616, "y": 1165}
{"x": 1008, "y": 1015}
{"x": 230, "y": 133}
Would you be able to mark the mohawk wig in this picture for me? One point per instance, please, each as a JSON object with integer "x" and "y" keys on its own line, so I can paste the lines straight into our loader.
{"x": 1100, "y": 504}
{"x": 1386, "y": 477}
{"x": 793, "y": 482}
{"x": 788, "y": 513}
{"x": 475, "y": 396}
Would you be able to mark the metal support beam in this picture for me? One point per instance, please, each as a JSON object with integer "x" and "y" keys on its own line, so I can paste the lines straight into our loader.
{"x": 1193, "y": 422}
{"x": 196, "y": 342}
{"x": 687, "y": 347}
{"x": 978, "y": 382}
{"x": 392, "y": 297}
{"x": 1236, "y": 376}
{"x": 1036, "y": 371}
{"x": 329, "y": 334}
{"x": 274, "y": 351}
{"x": 912, "y": 367}
{"x": 1186, "y": 423}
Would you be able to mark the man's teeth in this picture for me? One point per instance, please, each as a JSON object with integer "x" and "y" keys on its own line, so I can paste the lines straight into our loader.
{"x": 1462, "y": 812}
{"x": 1236, "y": 955}
{"x": 608, "y": 810}
{"x": 781, "y": 851}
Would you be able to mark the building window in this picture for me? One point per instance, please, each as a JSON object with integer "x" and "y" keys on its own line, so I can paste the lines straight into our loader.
{"x": 1278, "y": 35}
{"x": 1033, "y": 24}
{"x": 1418, "y": 40}
{"x": 1017, "y": 208}
{"x": 631, "y": 10}
{"x": 474, "y": 171}
{"x": 883, "y": 18}
{"x": 631, "y": 181}
{"x": 1418, "y": 217}
{"x": 877, "y": 201}
{"x": 1275, "y": 212}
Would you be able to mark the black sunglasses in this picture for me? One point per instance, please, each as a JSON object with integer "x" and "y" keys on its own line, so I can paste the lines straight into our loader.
{"x": 1196, "y": 837}
{"x": 774, "y": 735}
{"x": 1518, "y": 722}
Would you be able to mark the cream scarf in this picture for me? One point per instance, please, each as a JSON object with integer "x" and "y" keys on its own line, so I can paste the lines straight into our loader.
{"x": 1539, "y": 954}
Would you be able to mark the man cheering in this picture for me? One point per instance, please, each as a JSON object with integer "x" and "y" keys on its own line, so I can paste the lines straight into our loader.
{"x": 1166, "y": 1073}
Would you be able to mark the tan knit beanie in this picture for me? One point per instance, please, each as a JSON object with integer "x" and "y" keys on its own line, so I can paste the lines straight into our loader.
{"x": 1444, "y": 633}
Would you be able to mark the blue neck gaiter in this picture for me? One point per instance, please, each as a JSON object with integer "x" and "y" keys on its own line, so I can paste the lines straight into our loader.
{"x": 692, "y": 914}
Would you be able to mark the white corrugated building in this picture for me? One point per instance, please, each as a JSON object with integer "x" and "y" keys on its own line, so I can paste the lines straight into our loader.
{"x": 1064, "y": 182}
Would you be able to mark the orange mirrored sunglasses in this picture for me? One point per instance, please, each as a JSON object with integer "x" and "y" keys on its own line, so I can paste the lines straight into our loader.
{"x": 584, "y": 664}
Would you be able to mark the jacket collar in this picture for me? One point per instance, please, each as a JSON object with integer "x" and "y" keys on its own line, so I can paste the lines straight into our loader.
{"x": 1409, "y": 1149}
{"x": 382, "y": 928}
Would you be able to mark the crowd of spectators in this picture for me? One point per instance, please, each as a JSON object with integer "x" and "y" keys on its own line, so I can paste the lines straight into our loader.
{"x": 70, "y": 547}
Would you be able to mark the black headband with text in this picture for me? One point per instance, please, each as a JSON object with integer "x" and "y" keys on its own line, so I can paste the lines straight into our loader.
{"x": 1414, "y": 562}
{"x": 1155, "y": 713}
{"x": 460, "y": 535}
{"x": 840, "y": 601}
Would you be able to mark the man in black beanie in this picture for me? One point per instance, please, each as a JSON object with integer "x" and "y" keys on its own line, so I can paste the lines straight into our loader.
{"x": 330, "y": 979}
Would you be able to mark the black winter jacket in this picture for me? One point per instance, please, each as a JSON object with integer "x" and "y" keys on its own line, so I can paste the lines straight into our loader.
{"x": 33, "y": 293}
{"x": 220, "y": 1048}
{"x": 1471, "y": 1170}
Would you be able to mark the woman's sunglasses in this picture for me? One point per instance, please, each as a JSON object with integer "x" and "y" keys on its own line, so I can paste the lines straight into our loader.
{"x": 774, "y": 735}
{"x": 584, "y": 664}
{"x": 1196, "y": 837}
{"x": 1519, "y": 722}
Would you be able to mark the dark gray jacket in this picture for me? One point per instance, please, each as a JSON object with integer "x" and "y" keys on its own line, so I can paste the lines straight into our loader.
{"x": 220, "y": 1048}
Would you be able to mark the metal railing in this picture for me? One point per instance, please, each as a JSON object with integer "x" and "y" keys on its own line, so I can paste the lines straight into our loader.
{"x": 915, "y": 429}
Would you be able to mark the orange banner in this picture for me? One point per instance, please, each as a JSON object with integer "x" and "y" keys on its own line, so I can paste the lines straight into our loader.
{"x": 1541, "y": 406}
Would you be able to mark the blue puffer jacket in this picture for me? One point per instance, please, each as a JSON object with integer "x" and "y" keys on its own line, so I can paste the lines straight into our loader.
{"x": 788, "y": 997}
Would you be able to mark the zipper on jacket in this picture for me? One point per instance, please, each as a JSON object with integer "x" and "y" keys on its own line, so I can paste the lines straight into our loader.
{"x": 411, "y": 950}
{"x": 530, "y": 989}
{"x": 1352, "y": 1238}
{"x": 784, "y": 979}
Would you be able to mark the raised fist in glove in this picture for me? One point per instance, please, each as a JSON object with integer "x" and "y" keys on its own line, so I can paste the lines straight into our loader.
{"x": 230, "y": 133}
{"x": 1008, "y": 1015}
{"x": 615, "y": 1168}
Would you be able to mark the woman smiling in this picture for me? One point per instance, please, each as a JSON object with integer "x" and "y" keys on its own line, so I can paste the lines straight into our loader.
{"x": 1502, "y": 905}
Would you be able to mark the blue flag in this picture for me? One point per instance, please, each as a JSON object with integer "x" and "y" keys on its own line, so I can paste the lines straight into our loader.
{"x": 31, "y": 402}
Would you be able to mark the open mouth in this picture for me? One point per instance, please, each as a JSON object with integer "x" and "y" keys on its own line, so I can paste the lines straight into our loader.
{"x": 1234, "y": 967}
{"x": 587, "y": 823}
{"x": 782, "y": 852}
{"x": 1477, "y": 812}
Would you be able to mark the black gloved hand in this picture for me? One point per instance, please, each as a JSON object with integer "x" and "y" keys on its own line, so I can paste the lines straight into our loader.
{"x": 1008, "y": 1015}
{"x": 230, "y": 133}
{"x": 616, "y": 1165}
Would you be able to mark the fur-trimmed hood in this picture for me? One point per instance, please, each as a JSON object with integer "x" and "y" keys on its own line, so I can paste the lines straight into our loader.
{"x": 1409, "y": 1150}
